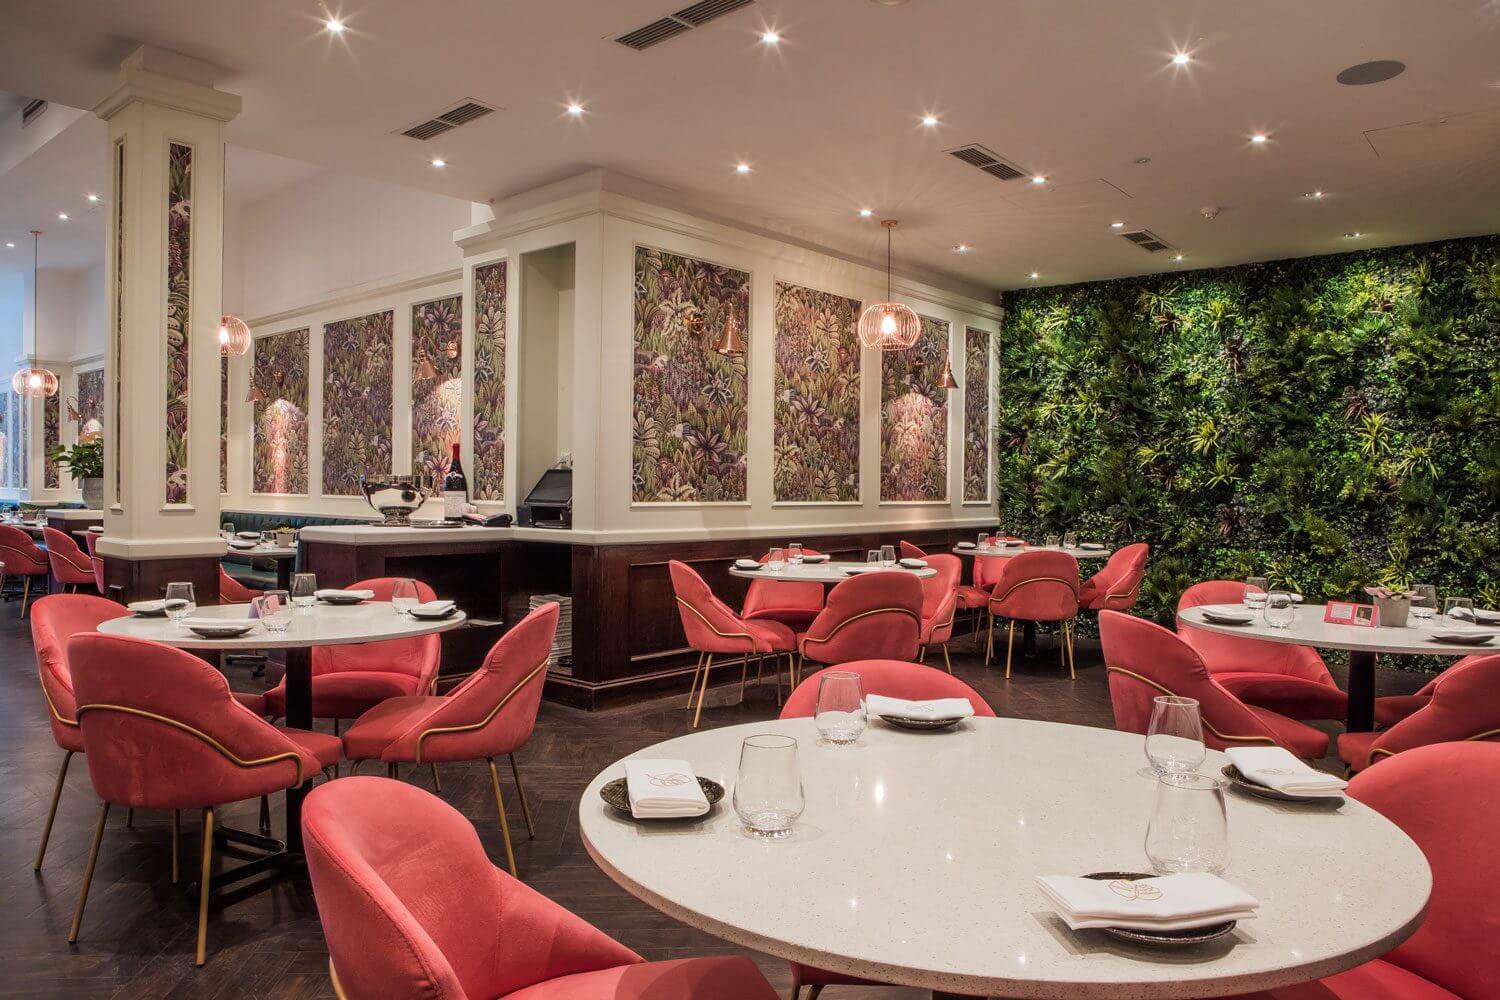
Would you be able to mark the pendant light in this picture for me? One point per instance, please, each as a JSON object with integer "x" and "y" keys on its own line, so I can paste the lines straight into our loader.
{"x": 889, "y": 325}
{"x": 234, "y": 337}
{"x": 945, "y": 379}
{"x": 730, "y": 342}
{"x": 34, "y": 381}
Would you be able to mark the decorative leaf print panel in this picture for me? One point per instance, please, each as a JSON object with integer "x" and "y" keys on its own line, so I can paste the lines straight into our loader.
{"x": 816, "y": 412}
{"x": 357, "y": 373}
{"x": 179, "y": 309}
{"x": 914, "y": 419}
{"x": 487, "y": 475}
{"x": 90, "y": 415}
{"x": 279, "y": 370}
{"x": 976, "y": 414}
{"x": 437, "y": 385}
{"x": 51, "y": 438}
{"x": 690, "y": 421}
{"x": 223, "y": 424}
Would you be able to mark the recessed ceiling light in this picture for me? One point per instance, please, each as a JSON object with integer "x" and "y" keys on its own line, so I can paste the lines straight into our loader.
{"x": 929, "y": 120}
{"x": 1117, "y": 225}
{"x": 1178, "y": 258}
{"x": 742, "y": 168}
{"x": 1039, "y": 179}
{"x": 1257, "y": 138}
{"x": 1353, "y": 236}
{"x": 1313, "y": 194}
{"x": 439, "y": 163}
{"x": 865, "y": 213}
{"x": 1033, "y": 276}
{"x": 1181, "y": 59}
{"x": 962, "y": 248}
{"x": 10, "y": 246}
{"x": 93, "y": 198}
{"x": 770, "y": 37}
{"x": 575, "y": 109}
{"x": 334, "y": 25}
{"x": 63, "y": 216}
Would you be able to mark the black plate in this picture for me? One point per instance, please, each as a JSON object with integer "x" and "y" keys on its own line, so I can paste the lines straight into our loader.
{"x": 229, "y": 630}
{"x": 1470, "y": 640}
{"x": 343, "y": 600}
{"x": 1159, "y": 939}
{"x": 1234, "y": 777}
{"x": 923, "y": 725}
{"x": 1226, "y": 621}
{"x": 617, "y": 797}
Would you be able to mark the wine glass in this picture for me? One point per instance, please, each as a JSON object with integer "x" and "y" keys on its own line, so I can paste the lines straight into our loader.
{"x": 304, "y": 592}
{"x": 776, "y": 561}
{"x": 872, "y": 558}
{"x": 1458, "y": 608}
{"x": 1255, "y": 592}
{"x": 840, "y": 712}
{"x": 1051, "y": 541}
{"x": 794, "y": 553}
{"x": 404, "y": 596}
{"x": 180, "y": 602}
{"x": 227, "y": 529}
{"x": 1189, "y": 828}
{"x": 1279, "y": 612}
{"x": 1174, "y": 737}
{"x": 887, "y": 555}
{"x": 983, "y": 539}
{"x": 1424, "y": 604}
{"x": 768, "y": 795}
{"x": 274, "y": 609}
{"x": 1070, "y": 539}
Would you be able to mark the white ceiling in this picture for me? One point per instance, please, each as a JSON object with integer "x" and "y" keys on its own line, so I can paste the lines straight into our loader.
{"x": 1073, "y": 89}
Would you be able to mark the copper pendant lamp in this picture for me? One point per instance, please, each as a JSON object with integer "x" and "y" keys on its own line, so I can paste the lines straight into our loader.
{"x": 730, "y": 342}
{"x": 945, "y": 379}
{"x": 34, "y": 381}
{"x": 234, "y": 337}
{"x": 889, "y": 325}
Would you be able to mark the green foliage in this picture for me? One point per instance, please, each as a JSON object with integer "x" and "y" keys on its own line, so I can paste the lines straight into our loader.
{"x": 83, "y": 461}
{"x": 1332, "y": 422}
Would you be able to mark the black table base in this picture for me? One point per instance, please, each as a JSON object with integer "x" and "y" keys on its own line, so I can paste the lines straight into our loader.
{"x": 1361, "y": 717}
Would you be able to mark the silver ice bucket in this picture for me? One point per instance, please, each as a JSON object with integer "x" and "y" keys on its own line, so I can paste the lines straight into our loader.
{"x": 395, "y": 500}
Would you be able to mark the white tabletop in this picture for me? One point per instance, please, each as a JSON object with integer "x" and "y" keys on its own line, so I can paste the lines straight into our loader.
{"x": 328, "y": 625}
{"x": 1005, "y": 552}
{"x": 821, "y": 572}
{"x": 914, "y": 864}
{"x": 265, "y": 550}
{"x": 1309, "y": 629}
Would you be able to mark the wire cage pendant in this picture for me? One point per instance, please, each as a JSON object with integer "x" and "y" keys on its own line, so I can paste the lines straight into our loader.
{"x": 889, "y": 325}
{"x": 34, "y": 382}
{"x": 234, "y": 337}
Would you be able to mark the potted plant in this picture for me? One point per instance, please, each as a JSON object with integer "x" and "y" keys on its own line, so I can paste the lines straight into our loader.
{"x": 286, "y": 536}
{"x": 85, "y": 463}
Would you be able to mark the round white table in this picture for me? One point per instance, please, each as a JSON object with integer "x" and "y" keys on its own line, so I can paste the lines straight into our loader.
{"x": 284, "y": 555}
{"x": 914, "y": 863}
{"x": 821, "y": 572}
{"x": 1362, "y": 643}
{"x": 1007, "y": 551}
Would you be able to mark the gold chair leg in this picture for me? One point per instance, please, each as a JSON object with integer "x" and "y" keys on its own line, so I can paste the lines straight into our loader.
{"x": 176, "y": 836}
{"x": 922, "y": 655}
{"x": 510, "y": 854}
{"x": 521, "y": 793}
{"x": 745, "y": 674}
{"x": 797, "y": 672}
{"x": 947, "y": 662}
{"x": 989, "y": 646}
{"x": 25, "y": 595}
{"x": 204, "y": 879}
{"x": 392, "y": 770}
{"x": 41, "y": 852}
{"x": 1010, "y": 641}
{"x": 1068, "y": 638}
{"x": 437, "y": 783}
{"x": 697, "y": 671}
{"x": 88, "y": 873}
{"x": 708, "y": 664}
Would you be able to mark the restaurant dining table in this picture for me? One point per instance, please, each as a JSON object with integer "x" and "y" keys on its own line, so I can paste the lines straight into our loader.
{"x": 914, "y": 863}
{"x": 822, "y": 572}
{"x": 1007, "y": 551}
{"x": 284, "y": 555}
{"x": 1363, "y": 644}
{"x": 325, "y": 625}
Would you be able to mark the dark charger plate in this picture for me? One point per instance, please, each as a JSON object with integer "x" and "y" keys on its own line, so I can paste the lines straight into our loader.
{"x": 1234, "y": 777}
{"x": 923, "y": 725}
{"x": 1159, "y": 939}
{"x": 617, "y": 797}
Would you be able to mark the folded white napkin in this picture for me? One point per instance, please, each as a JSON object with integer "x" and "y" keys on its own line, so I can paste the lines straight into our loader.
{"x": 1483, "y": 617}
{"x": 746, "y": 564}
{"x": 821, "y": 557}
{"x": 433, "y": 608}
{"x": 932, "y": 710}
{"x": 348, "y": 595}
{"x": 914, "y": 563}
{"x": 1276, "y": 768}
{"x": 663, "y": 789}
{"x": 1168, "y": 903}
{"x": 965, "y": 545}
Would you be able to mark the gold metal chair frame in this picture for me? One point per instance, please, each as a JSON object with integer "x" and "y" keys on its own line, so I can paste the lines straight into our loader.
{"x": 27, "y": 557}
{"x": 706, "y": 663}
{"x": 828, "y": 636}
{"x": 1065, "y": 640}
{"x": 922, "y": 652}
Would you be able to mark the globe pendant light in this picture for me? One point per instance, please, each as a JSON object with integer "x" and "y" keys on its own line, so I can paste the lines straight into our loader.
{"x": 234, "y": 337}
{"x": 889, "y": 325}
{"x": 34, "y": 381}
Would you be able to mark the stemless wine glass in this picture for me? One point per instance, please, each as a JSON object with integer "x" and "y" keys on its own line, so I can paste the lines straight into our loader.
{"x": 1070, "y": 539}
{"x": 776, "y": 561}
{"x": 1255, "y": 592}
{"x": 984, "y": 539}
{"x": 888, "y": 555}
{"x": 872, "y": 558}
{"x": 1279, "y": 611}
{"x": 1189, "y": 828}
{"x": 304, "y": 592}
{"x": 274, "y": 609}
{"x": 768, "y": 792}
{"x": 1458, "y": 608}
{"x": 180, "y": 602}
{"x": 1051, "y": 541}
{"x": 1174, "y": 737}
{"x": 227, "y": 529}
{"x": 840, "y": 712}
{"x": 1424, "y": 604}
{"x": 794, "y": 553}
{"x": 404, "y": 596}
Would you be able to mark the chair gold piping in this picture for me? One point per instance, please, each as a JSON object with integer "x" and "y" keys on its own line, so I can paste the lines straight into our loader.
{"x": 53, "y": 709}
{"x": 198, "y": 734}
{"x": 1070, "y": 584}
{"x": 1209, "y": 726}
{"x": 706, "y": 660}
{"x": 1382, "y": 751}
{"x": 471, "y": 726}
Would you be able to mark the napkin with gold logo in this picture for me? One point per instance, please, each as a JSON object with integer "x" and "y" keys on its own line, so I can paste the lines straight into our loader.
{"x": 1169, "y": 903}
{"x": 1276, "y": 768}
{"x": 931, "y": 710}
{"x": 663, "y": 789}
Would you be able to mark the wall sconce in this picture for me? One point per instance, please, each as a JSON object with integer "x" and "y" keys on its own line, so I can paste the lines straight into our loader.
{"x": 945, "y": 379}
{"x": 730, "y": 342}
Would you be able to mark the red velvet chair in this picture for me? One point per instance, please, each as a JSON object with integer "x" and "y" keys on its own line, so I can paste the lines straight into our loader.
{"x": 1144, "y": 660}
{"x": 1118, "y": 584}
{"x": 1039, "y": 586}
{"x": 1432, "y": 794}
{"x": 910, "y": 551}
{"x": 95, "y": 560}
{"x": 231, "y": 591}
{"x": 1289, "y": 680}
{"x": 713, "y": 629}
{"x": 54, "y": 621}
{"x": 491, "y": 714}
{"x": 413, "y": 909}
{"x": 71, "y": 566}
{"x": 1465, "y": 705}
{"x": 975, "y": 596}
{"x": 871, "y": 616}
{"x": 891, "y": 678}
{"x": 1392, "y": 708}
{"x": 939, "y": 604}
{"x": 348, "y": 681}
{"x": 20, "y": 556}
{"x": 161, "y": 730}
{"x": 794, "y": 603}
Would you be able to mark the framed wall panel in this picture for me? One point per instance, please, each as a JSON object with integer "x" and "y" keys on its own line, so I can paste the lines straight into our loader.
{"x": 914, "y": 420}
{"x": 488, "y": 465}
{"x": 976, "y": 415}
{"x": 279, "y": 373}
{"x": 817, "y": 393}
{"x": 179, "y": 316}
{"x": 436, "y": 382}
{"x": 357, "y": 409}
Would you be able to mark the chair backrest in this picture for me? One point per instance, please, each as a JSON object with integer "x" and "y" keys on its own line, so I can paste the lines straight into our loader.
{"x": 69, "y": 563}
{"x": 413, "y": 909}
{"x": 1118, "y": 584}
{"x": 938, "y": 592}
{"x": 910, "y": 551}
{"x": 1144, "y": 660}
{"x": 711, "y": 625}
{"x": 494, "y": 710}
{"x": 1232, "y": 653}
{"x": 162, "y": 731}
{"x": 784, "y": 595}
{"x": 95, "y": 560}
{"x": 55, "y": 620}
{"x": 1038, "y": 586}
{"x": 987, "y": 570}
{"x": 418, "y": 656}
{"x": 1465, "y": 705}
{"x": 1442, "y": 797}
{"x": 893, "y": 679}
{"x": 231, "y": 591}
{"x": 19, "y": 553}
{"x": 872, "y": 616}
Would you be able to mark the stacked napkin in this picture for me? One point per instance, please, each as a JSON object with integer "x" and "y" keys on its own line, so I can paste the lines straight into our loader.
{"x": 1170, "y": 903}
{"x": 345, "y": 595}
{"x": 433, "y": 609}
{"x": 933, "y": 710}
{"x": 914, "y": 563}
{"x": 663, "y": 789}
{"x": 1476, "y": 615}
{"x": 1276, "y": 768}
{"x": 746, "y": 564}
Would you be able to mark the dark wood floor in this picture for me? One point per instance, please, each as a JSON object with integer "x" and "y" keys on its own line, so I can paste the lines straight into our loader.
{"x": 137, "y": 938}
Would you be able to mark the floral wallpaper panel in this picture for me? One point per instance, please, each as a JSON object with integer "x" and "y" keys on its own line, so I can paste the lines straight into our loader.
{"x": 436, "y": 382}
{"x": 223, "y": 423}
{"x": 51, "y": 438}
{"x": 976, "y": 414}
{"x": 487, "y": 470}
{"x": 279, "y": 370}
{"x": 690, "y": 421}
{"x": 914, "y": 419}
{"x": 179, "y": 308}
{"x": 90, "y": 415}
{"x": 357, "y": 413}
{"x": 816, "y": 410}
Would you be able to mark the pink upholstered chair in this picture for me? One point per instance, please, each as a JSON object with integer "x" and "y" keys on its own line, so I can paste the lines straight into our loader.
{"x": 1118, "y": 584}
{"x": 22, "y": 557}
{"x": 713, "y": 629}
{"x": 491, "y": 714}
{"x": 871, "y": 616}
{"x": 910, "y": 551}
{"x": 793, "y": 603}
{"x": 1392, "y": 708}
{"x": 891, "y": 678}
{"x": 1038, "y": 586}
{"x": 55, "y": 620}
{"x": 95, "y": 560}
{"x": 348, "y": 681}
{"x": 1430, "y": 793}
{"x": 413, "y": 909}
{"x": 231, "y": 591}
{"x": 975, "y": 596}
{"x": 1465, "y": 705}
{"x": 161, "y": 730}
{"x": 939, "y": 604}
{"x": 71, "y": 567}
{"x": 1289, "y": 680}
{"x": 1144, "y": 660}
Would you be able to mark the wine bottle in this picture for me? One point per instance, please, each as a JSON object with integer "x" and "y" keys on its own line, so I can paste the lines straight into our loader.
{"x": 455, "y": 489}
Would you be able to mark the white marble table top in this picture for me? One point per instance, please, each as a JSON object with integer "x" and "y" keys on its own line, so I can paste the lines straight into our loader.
{"x": 327, "y": 625}
{"x": 1309, "y": 629}
{"x": 914, "y": 861}
{"x": 1005, "y": 552}
{"x": 75, "y": 513}
{"x": 265, "y": 550}
{"x": 821, "y": 572}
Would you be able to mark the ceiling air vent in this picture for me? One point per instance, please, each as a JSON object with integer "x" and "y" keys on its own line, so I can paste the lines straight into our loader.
{"x": 976, "y": 155}
{"x": 32, "y": 110}
{"x": 460, "y": 114}
{"x": 675, "y": 24}
{"x": 1147, "y": 240}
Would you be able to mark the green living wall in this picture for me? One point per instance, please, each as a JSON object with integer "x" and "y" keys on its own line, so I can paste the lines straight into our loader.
{"x": 1329, "y": 422}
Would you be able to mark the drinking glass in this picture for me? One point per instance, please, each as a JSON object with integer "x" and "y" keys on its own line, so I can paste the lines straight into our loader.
{"x": 872, "y": 558}
{"x": 776, "y": 561}
{"x": 180, "y": 602}
{"x": 1070, "y": 539}
{"x": 983, "y": 539}
{"x": 768, "y": 792}
{"x": 840, "y": 712}
{"x": 1463, "y": 605}
{"x": 404, "y": 596}
{"x": 1174, "y": 737}
{"x": 794, "y": 553}
{"x": 304, "y": 592}
{"x": 1279, "y": 612}
{"x": 1255, "y": 592}
{"x": 1051, "y": 541}
{"x": 1424, "y": 604}
{"x": 274, "y": 609}
{"x": 227, "y": 529}
{"x": 888, "y": 555}
{"x": 268, "y": 537}
{"x": 1189, "y": 828}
